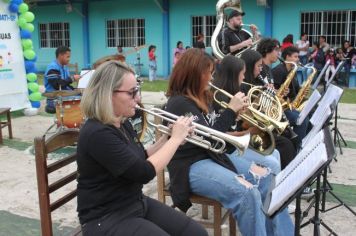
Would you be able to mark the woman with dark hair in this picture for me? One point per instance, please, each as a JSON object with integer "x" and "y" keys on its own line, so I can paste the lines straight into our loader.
{"x": 236, "y": 183}
{"x": 317, "y": 56}
{"x": 287, "y": 42}
{"x": 178, "y": 52}
{"x": 254, "y": 64}
{"x": 229, "y": 77}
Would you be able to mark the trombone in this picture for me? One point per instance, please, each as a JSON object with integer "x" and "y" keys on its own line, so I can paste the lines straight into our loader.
{"x": 203, "y": 136}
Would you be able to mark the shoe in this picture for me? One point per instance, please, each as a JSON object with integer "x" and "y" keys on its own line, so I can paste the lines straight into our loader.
{"x": 307, "y": 193}
{"x": 291, "y": 208}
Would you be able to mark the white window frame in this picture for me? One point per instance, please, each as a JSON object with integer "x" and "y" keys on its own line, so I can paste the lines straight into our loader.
{"x": 336, "y": 26}
{"x": 207, "y": 28}
{"x": 125, "y": 32}
{"x": 46, "y": 39}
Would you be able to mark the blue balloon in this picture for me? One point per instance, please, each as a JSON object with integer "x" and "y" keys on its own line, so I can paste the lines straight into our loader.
{"x": 25, "y": 34}
{"x": 36, "y": 104}
{"x": 13, "y": 7}
{"x": 29, "y": 65}
{"x": 18, "y": 2}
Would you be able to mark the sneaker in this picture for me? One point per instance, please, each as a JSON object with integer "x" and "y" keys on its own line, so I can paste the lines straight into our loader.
{"x": 291, "y": 208}
{"x": 307, "y": 193}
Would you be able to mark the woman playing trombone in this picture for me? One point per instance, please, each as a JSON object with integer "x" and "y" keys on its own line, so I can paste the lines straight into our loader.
{"x": 236, "y": 183}
{"x": 113, "y": 165}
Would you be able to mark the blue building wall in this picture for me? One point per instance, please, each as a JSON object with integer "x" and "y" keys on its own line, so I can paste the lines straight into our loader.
{"x": 57, "y": 13}
{"x": 99, "y": 13}
{"x": 286, "y": 17}
{"x": 279, "y": 19}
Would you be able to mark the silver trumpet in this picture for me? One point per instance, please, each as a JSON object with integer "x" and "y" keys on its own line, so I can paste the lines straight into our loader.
{"x": 202, "y": 134}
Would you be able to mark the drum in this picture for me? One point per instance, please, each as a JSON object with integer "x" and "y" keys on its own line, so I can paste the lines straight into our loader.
{"x": 68, "y": 112}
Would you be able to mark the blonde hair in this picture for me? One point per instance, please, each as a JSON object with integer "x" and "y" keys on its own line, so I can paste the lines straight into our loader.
{"x": 96, "y": 102}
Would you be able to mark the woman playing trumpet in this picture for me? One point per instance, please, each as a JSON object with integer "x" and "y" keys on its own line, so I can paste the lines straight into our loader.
{"x": 236, "y": 183}
{"x": 113, "y": 165}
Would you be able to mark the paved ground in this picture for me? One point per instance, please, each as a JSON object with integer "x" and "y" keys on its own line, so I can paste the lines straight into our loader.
{"x": 19, "y": 213}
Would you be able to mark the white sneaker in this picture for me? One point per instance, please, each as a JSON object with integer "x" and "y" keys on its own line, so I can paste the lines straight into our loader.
{"x": 291, "y": 208}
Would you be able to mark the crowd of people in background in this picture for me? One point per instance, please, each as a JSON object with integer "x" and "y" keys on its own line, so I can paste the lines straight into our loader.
{"x": 319, "y": 52}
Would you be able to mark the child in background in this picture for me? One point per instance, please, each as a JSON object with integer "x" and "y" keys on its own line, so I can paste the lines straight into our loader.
{"x": 152, "y": 64}
{"x": 330, "y": 55}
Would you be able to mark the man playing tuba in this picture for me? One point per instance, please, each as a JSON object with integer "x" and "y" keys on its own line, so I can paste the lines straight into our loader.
{"x": 233, "y": 39}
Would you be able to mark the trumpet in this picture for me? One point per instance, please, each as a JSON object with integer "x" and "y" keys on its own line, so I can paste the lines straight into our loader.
{"x": 202, "y": 134}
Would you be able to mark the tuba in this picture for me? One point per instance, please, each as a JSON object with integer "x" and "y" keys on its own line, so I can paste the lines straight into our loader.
{"x": 260, "y": 104}
{"x": 298, "y": 102}
{"x": 220, "y": 19}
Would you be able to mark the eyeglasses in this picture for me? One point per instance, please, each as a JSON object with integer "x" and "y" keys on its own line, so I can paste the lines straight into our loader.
{"x": 133, "y": 93}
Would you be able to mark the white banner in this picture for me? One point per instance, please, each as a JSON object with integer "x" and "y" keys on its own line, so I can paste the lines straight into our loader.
{"x": 13, "y": 83}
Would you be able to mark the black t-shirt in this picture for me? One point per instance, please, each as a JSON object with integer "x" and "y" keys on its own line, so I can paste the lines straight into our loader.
{"x": 229, "y": 37}
{"x": 188, "y": 153}
{"x": 280, "y": 74}
{"x": 112, "y": 169}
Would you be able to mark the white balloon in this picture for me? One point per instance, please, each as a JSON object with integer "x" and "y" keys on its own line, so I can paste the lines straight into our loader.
{"x": 31, "y": 111}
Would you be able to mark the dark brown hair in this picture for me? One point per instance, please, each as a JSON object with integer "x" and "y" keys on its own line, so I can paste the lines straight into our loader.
{"x": 186, "y": 77}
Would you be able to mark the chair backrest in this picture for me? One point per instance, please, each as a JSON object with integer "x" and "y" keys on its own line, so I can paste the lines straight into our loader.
{"x": 44, "y": 146}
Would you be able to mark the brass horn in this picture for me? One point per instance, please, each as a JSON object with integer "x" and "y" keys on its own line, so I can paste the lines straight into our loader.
{"x": 204, "y": 137}
{"x": 262, "y": 142}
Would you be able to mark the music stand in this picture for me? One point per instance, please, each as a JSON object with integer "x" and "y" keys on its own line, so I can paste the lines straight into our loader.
{"x": 337, "y": 134}
{"x": 299, "y": 216}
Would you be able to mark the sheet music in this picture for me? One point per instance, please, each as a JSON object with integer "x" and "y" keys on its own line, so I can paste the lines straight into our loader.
{"x": 313, "y": 99}
{"x": 319, "y": 137}
{"x": 85, "y": 78}
{"x": 316, "y": 83}
{"x": 310, "y": 159}
{"x": 318, "y": 120}
{"x": 332, "y": 94}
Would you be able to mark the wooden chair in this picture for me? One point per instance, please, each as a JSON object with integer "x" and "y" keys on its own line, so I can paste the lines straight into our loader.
{"x": 43, "y": 147}
{"x": 7, "y": 123}
{"x": 218, "y": 218}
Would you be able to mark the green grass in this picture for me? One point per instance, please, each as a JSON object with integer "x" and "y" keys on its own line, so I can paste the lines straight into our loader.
{"x": 349, "y": 96}
{"x": 154, "y": 86}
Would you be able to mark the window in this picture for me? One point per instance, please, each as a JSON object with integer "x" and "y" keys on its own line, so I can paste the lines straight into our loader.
{"x": 335, "y": 25}
{"x": 53, "y": 35}
{"x": 205, "y": 25}
{"x": 126, "y": 32}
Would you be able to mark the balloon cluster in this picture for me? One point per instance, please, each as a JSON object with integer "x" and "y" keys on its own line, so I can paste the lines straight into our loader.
{"x": 24, "y": 21}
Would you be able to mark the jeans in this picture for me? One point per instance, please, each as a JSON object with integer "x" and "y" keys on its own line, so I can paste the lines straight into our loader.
{"x": 152, "y": 68}
{"x": 273, "y": 161}
{"x": 303, "y": 59}
{"x": 211, "y": 180}
{"x": 300, "y": 130}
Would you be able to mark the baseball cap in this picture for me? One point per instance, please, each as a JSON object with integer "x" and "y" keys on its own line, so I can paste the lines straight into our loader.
{"x": 235, "y": 13}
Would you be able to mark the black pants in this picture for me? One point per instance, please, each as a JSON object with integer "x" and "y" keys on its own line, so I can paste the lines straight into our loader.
{"x": 150, "y": 218}
{"x": 286, "y": 150}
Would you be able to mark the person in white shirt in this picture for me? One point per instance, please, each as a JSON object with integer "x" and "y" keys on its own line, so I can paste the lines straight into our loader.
{"x": 303, "y": 46}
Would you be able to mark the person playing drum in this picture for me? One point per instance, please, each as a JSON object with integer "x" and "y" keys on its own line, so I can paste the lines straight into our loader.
{"x": 57, "y": 76}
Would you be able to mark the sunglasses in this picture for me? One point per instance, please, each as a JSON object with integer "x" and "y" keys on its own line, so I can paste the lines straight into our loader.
{"x": 133, "y": 93}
